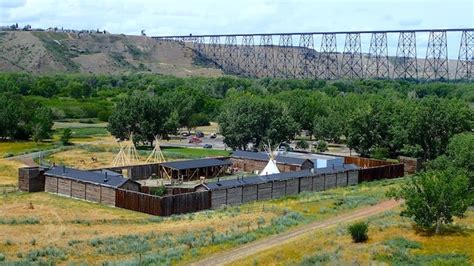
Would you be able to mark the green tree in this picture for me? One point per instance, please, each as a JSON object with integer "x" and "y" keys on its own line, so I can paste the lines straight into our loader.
{"x": 433, "y": 198}
{"x": 42, "y": 124}
{"x": 247, "y": 119}
{"x": 461, "y": 151}
{"x": 9, "y": 117}
{"x": 460, "y": 154}
{"x": 303, "y": 106}
{"x": 197, "y": 120}
{"x": 329, "y": 127}
{"x": 145, "y": 116}
{"x": 239, "y": 122}
{"x": 66, "y": 136}
{"x": 434, "y": 122}
{"x": 186, "y": 102}
{"x": 364, "y": 132}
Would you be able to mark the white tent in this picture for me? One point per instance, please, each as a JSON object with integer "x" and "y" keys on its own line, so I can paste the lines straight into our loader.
{"x": 271, "y": 167}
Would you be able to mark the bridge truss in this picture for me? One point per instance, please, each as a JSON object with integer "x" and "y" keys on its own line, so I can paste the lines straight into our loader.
{"x": 295, "y": 55}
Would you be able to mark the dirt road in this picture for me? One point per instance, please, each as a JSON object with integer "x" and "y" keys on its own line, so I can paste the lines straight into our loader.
{"x": 273, "y": 241}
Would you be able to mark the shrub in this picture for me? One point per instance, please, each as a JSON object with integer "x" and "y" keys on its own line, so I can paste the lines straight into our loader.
{"x": 158, "y": 191}
{"x": 380, "y": 153}
{"x": 317, "y": 259}
{"x": 155, "y": 219}
{"x": 104, "y": 115}
{"x": 2, "y": 257}
{"x": 49, "y": 252}
{"x": 72, "y": 242}
{"x": 322, "y": 146}
{"x": 402, "y": 243}
{"x": 302, "y": 144}
{"x": 260, "y": 221}
{"x": 121, "y": 245}
{"x": 359, "y": 232}
{"x": 66, "y": 136}
{"x": 324, "y": 258}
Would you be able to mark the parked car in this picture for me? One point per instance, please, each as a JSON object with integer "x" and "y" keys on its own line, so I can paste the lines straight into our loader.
{"x": 194, "y": 140}
{"x": 199, "y": 134}
{"x": 185, "y": 134}
{"x": 213, "y": 136}
{"x": 285, "y": 147}
{"x": 207, "y": 146}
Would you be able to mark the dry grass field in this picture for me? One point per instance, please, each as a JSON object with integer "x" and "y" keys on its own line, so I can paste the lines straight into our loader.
{"x": 392, "y": 240}
{"x": 9, "y": 172}
{"x": 46, "y": 228}
{"x": 50, "y": 228}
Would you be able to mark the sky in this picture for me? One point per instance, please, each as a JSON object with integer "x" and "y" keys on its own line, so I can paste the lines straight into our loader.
{"x": 168, "y": 17}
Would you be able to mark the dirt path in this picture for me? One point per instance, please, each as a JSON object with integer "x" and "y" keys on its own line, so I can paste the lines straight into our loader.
{"x": 277, "y": 240}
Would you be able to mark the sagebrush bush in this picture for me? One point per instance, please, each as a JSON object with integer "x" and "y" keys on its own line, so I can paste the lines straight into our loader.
{"x": 359, "y": 232}
{"x": 402, "y": 243}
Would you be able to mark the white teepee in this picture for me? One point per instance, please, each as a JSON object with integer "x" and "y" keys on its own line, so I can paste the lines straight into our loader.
{"x": 271, "y": 167}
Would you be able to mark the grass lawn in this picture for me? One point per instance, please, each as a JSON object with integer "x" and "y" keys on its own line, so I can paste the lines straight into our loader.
{"x": 88, "y": 132}
{"x": 12, "y": 148}
{"x": 77, "y": 124}
{"x": 191, "y": 153}
{"x": 79, "y": 231}
{"x": 80, "y": 156}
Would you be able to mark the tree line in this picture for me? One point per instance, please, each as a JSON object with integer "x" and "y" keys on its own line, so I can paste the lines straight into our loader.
{"x": 94, "y": 96}
{"x": 379, "y": 118}
{"x": 24, "y": 119}
{"x": 372, "y": 124}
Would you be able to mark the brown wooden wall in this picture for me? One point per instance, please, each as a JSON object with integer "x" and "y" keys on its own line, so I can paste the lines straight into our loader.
{"x": 163, "y": 206}
{"x": 412, "y": 165}
{"x": 381, "y": 172}
{"x": 281, "y": 188}
{"x": 365, "y": 162}
{"x": 80, "y": 190}
{"x": 372, "y": 169}
{"x": 31, "y": 179}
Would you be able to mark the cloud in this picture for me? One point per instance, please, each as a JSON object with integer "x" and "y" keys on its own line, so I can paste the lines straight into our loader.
{"x": 410, "y": 22}
{"x": 11, "y": 4}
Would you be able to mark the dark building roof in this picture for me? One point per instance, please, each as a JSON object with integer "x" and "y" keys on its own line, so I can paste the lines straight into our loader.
{"x": 229, "y": 183}
{"x": 262, "y": 156}
{"x": 110, "y": 180}
{"x": 287, "y": 175}
{"x": 198, "y": 163}
{"x": 109, "y": 172}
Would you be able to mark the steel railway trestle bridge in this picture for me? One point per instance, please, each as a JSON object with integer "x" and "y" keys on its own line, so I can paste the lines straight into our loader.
{"x": 294, "y": 55}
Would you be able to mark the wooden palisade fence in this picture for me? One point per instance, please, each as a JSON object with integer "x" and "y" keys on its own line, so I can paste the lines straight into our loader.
{"x": 163, "y": 206}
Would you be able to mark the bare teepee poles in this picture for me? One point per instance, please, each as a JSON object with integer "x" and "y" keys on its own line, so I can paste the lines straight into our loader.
{"x": 127, "y": 154}
{"x": 156, "y": 156}
{"x": 132, "y": 152}
{"x": 121, "y": 157}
